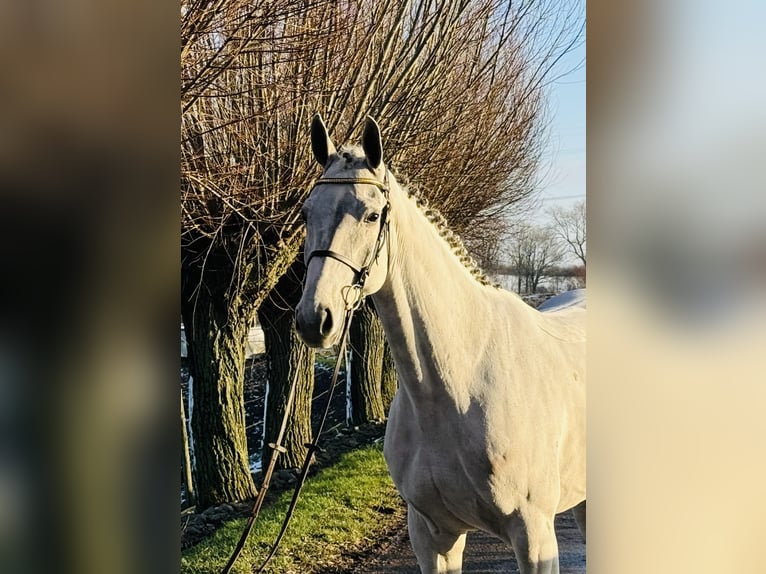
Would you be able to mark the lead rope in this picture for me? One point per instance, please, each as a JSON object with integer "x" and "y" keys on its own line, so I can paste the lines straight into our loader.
{"x": 277, "y": 449}
{"x": 352, "y": 296}
{"x": 313, "y": 446}
{"x": 351, "y": 305}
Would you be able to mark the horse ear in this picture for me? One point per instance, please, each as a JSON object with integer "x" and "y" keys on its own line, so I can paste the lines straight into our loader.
{"x": 371, "y": 143}
{"x": 321, "y": 145}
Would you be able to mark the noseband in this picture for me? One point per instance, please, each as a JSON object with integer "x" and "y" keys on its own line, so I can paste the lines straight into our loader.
{"x": 361, "y": 271}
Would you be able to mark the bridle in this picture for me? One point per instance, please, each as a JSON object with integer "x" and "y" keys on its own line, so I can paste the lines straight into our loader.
{"x": 352, "y": 294}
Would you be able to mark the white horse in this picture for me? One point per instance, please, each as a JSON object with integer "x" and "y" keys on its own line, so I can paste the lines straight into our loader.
{"x": 487, "y": 428}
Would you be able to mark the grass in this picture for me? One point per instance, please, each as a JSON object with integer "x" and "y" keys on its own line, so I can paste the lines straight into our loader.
{"x": 341, "y": 510}
{"x": 326, "y": 357}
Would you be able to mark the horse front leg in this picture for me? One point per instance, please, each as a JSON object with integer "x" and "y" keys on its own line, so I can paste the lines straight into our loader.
{"x": 437, "y": 551}
{"x": 533, "y": 538}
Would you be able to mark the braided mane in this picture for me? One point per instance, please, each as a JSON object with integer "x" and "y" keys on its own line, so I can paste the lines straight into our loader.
{"x": 354, "y": 158}
{"x": 439, "y": 222}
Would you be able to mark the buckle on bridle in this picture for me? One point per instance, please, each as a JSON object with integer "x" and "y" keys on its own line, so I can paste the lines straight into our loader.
{"x": 352, "y": 296}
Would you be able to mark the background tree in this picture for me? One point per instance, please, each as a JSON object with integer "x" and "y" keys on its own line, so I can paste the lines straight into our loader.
{"x": 457, "y": 88}
{"x": 534, "y": 251}
{"x": 239, "y": 217}
{"x": 367, "y": 348}
{"x": 288, "y": 360}
{"x": 186, "y": 465}
{"x": 389, "y": 382}
{"x": 569, "y": 226}
{"x": 372, "y": 373}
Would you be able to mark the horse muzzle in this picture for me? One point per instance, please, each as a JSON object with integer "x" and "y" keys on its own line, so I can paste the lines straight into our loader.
{"x": 317, "y": 325}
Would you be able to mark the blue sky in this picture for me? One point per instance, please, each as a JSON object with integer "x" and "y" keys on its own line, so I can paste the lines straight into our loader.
{"x": 563, "y": 165}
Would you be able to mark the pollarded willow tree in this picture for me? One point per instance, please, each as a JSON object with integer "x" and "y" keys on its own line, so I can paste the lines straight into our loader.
{"x": 457, "y": 87}
{"x": 239, "y": 193}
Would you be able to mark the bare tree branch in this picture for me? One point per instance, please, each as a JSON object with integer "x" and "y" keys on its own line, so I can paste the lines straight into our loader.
{"x": 457, "y": 86}
{"x": 569, "y": 226}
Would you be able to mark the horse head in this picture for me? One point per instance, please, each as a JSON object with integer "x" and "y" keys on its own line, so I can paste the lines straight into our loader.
{"x": 346, "y": 249}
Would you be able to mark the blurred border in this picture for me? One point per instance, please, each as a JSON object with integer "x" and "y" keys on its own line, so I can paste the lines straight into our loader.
{"x": 89, "y": 292}
{"x": 677, "y": 241}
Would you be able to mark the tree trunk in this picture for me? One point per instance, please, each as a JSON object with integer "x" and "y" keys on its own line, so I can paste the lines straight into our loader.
{"x": 389, "y": 384}
{"x": 288, "y": 357}
{"x": 187, "y": 466}
{"x": 366, "y": 340}
{"x": 216, "y": 335}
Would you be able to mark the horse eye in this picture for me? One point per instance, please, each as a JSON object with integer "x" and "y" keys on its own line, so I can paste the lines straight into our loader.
{"x": 373, "y": 217}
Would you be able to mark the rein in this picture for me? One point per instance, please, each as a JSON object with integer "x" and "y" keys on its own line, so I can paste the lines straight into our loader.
{"x": 352, "y": 297}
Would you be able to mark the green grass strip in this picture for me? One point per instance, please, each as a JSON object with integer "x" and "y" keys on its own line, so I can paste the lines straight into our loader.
{"x": 339, "y": 511}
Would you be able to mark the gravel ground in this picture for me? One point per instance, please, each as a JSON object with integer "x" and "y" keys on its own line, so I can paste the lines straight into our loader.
{"x": 484, "y": 553}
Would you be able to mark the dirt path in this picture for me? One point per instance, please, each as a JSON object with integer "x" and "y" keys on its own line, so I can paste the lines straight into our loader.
{"x": 484, "y": 554}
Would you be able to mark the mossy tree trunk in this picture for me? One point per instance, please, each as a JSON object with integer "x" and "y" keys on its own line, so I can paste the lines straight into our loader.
{"x": 288, "y": 358}
{"x": 216, "y": 335}
{"x": 221, "y": 287}
{"x": 186, "y": 458}
{"x": 367, "y": 340}
{"x": 389, "y": 382}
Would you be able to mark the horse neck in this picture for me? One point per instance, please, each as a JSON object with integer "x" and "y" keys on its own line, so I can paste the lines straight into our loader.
{"x": 435, "y": 313}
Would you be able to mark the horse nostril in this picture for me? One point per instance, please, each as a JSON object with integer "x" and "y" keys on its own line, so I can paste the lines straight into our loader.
{"x": 325, "y": 327}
